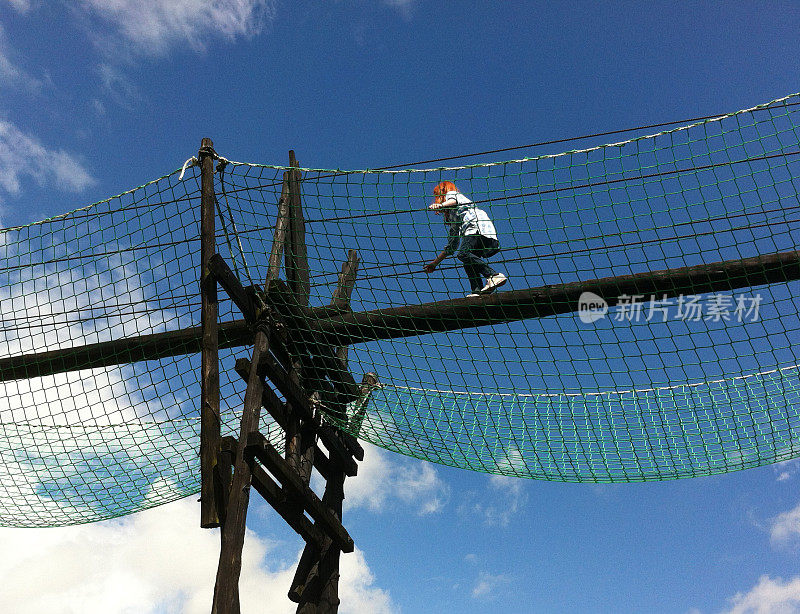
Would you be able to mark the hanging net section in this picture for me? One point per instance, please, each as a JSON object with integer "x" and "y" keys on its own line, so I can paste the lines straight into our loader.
{"x": 692, "y": 374}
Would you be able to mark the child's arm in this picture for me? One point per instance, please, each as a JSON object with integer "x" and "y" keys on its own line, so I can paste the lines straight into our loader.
{"x": 452, "y": 244}
{"x": 431, "y": 266}
{"x": 450, "y": 202}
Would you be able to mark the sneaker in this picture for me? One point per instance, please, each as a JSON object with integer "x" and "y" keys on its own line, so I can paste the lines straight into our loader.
{"x": 494, "y": 282}
{"x": 473, "y": 295}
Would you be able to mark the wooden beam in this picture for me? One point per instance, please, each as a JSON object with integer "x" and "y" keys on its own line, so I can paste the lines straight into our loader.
{"x": 278, "y": 411}
{"x": 233, "y": 287}
{"x": 278, "y": 466}
{"x": 209, "y": 361}
{"x": 368, "y": 383}
{"x": 121, "y": 351}
{"x": 398, "y": 322}
{"x": 272, "y": 493}
{"x": 297, "y": 273}
{"x": 279, "y": 238}
{"x": 346, "y": 282}
{"x": 457, "y": 314}
{"x": 226, "y": 590}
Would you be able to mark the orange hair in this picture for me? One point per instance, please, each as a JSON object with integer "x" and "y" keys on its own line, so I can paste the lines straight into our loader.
{"x": 441, "y": 189}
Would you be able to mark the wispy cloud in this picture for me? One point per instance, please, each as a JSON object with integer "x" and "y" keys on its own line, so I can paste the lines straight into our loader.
{"x": 155, "y": 561}
{"x": 506, "y": 498}
{"x": 768, "y": 597}
{"x": 382, "y": 481}
{"x": 785, "y": 528}
{"x": 21, "y": 6}
{"x": 23, "y": 155}
{"x": 786, "y": 470}
{"x": 12, "y": 75}
{"x": 404, "y": 7}
{"x": 487, "y": 584}
{"x": 154, "y": 28}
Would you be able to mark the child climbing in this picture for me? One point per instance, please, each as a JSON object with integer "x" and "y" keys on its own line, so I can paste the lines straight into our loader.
{"x": 471, "y": 233}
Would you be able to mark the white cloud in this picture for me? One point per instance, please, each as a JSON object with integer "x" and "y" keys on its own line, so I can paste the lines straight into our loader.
{"x": 21, "y": 6}
{"x": 11, "y": 74}
{"x": 404, "y": 7}
{"x": 381, "y": 479}
{"x": 23, "y": 155}
{"x": 153, "y": 28}
{"x": 787, "y": 469}
{"x": 785, "y": 528}
{"x": 154, "y": 561}
{"x": 121, "y": 89}
{"x": 768, "y": 597}
{"x": 506, "y": 496}
{"x": 487, "y": 584}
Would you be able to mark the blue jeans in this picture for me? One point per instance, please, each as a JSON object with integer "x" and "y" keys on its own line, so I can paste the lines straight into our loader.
{"x": 471, "y": 252}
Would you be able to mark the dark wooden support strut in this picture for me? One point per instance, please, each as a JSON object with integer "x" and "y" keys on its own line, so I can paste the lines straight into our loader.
{"x": 226, "y": 591}
{"x": 410, "y": 320}
{"x": 209, "y": 380}
{"x": 297, "y": 273}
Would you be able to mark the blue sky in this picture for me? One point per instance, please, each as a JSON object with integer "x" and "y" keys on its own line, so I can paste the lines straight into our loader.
{"x": 100, "y": 96}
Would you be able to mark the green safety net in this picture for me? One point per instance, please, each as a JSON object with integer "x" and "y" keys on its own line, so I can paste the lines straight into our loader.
{"x": 655, "y": 388}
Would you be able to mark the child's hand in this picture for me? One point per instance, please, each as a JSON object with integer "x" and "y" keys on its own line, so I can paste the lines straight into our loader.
{"x": 430, "y": 267}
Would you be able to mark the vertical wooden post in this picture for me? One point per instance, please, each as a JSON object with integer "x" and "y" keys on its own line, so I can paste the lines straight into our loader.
{"x": 279, "y": 238}
{"x": 209, "y": 380}
{"x": 297, "y": 257}
{"x": 226, "y": 589}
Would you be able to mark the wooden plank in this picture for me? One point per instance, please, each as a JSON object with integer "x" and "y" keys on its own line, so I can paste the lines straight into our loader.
{"x": 234, "y": 288}
{"x": 272, "y": 494}
{"x": 209, "y": 361}
{"x": 278, "y": 466}
{"x": 278, "y": 411}
{"x": 396, "y": 323}
{"x": 279, "y": 237}
{"x": 316, "y": 579}
{"x": 230, "y": 558}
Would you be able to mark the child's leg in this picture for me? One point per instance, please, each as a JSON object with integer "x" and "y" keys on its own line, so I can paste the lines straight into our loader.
{"x": 475, "y": 267}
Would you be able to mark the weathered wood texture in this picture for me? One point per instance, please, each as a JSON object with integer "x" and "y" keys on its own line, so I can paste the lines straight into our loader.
{"x": 439, "y": 316}
{"x": 457, "y": 314}
{"x": 233, "y": 287}
{"x": 209, "y": 367}
{"x": 279, "y": 238}
{"x": 297, "y": 273}
{"x": 230, "y": 560}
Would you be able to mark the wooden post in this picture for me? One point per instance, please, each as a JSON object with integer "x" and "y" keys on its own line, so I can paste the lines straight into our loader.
{"x": 209, "y": 381}
{"x": 226, "y": 589}
{"x": 297, "y": 257}
{"x": 279, "y": 238}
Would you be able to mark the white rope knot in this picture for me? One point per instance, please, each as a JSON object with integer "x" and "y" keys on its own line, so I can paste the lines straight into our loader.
{"x": 193, "y": 161}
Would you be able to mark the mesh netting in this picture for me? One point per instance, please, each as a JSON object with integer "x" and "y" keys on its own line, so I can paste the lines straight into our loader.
{"x": 655, "y": 388}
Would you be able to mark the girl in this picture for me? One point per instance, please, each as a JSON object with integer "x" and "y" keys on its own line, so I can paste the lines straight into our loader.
{"x": 471, "y": 233}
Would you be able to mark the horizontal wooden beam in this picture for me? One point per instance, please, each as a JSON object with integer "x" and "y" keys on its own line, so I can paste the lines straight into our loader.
{"x": 440, "y": 316}
{"x": 457, "y": 314}
{"x": 121, "y": 351}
